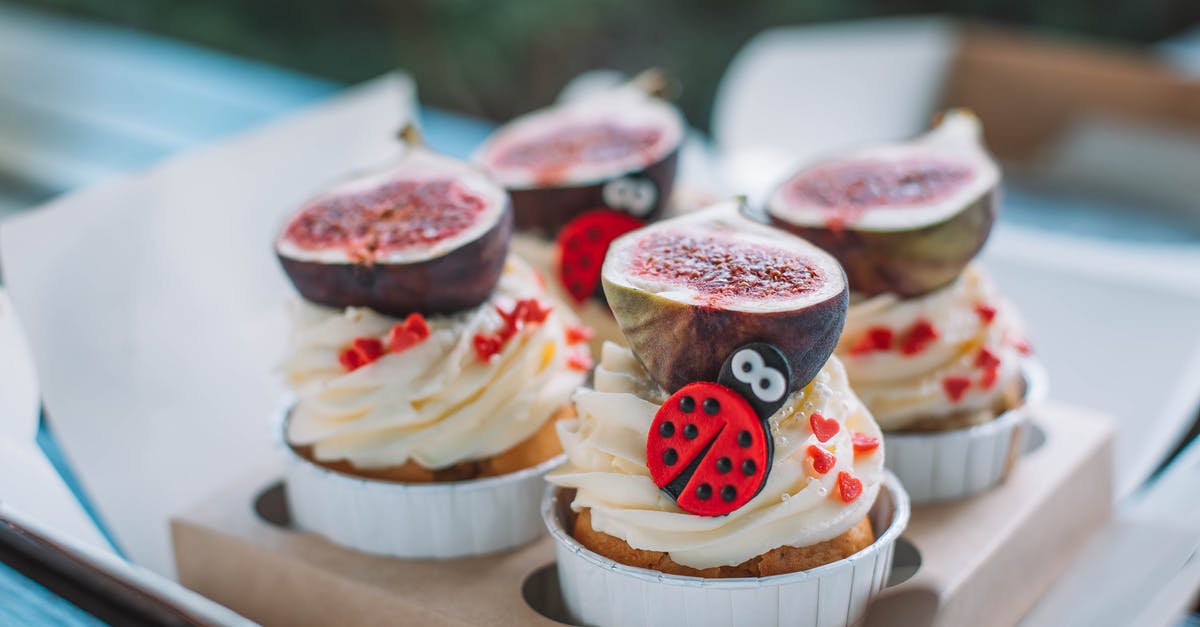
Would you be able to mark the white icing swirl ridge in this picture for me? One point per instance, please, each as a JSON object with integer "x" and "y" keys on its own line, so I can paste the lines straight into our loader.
{"x": 606, "y": 463}
{"x": 945, "y": 377}
{"x": 437, "y": 402}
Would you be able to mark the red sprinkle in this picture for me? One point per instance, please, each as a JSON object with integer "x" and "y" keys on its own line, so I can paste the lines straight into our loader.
{"x": 822, "y": 460}
{"x": 918, "y": 337}
{"x": 986, "y": 312}
{"x": 864, "y": 443}
{"x": 875, "y": 339}
{"x": 525, "y": 312}
{"x": 578, "y": 335}
{"x": 1022, "y": 345}
{"x": 822, "y": 427}
{"x": 986, "y": 359}
{"x": 956, "y": 386}
{"x": 362, "y": 351}
{"x": 987, "y": 380}
{"x": 849, "y": 486}
{"x": 579, "y": 361}
{"x": 405, "y": 335}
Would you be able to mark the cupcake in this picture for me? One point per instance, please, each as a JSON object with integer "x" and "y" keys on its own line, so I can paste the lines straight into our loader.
{"x": 428, "y": 364}
{"x": 581, "y": 173}
{"x": 930, "y": 345}
{"x": 722, "y": 461}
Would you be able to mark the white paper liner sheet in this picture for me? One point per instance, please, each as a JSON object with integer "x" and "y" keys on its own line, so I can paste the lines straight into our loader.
{"x": 600, "y": 592}
{"x": 951, "y": 465}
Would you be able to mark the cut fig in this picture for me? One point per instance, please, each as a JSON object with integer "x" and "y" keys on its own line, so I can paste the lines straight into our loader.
{"x": 688, "y": 291}
{"x": 616, "y": 149}
{"x": 904, "y": 218}
{"x": 427, "y": 234}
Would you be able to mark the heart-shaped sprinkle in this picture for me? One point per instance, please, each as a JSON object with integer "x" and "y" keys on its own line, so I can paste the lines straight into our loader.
{"x": 822, "y": 460}
{"x": 875, "y": 339}
{"x": 918, "y": 337}
{"x": 987, "y": 380}
{"x": 405, "y": 335}
{"x": 986, "y": 313}
{"x": 578, "y": 334}
{"x": 986, "y": 359}
{"x": 579, "y": 361}
{"x": 956, "y": 386}
{"x": 864, "y": 443}
{"x": 360, "y": 352}
{"x": 849, "y": 486}
{"x": 822, "y": 427}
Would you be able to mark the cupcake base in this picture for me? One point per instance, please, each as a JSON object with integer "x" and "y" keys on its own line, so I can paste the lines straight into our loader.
{"x": 777, "y": 561}
{"x": 539, "y": 447}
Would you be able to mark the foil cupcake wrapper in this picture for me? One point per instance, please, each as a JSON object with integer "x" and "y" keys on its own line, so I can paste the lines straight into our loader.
{"x": 600, "y": 592}
{"x": 415, "y": 520}
{"x": 950, "y": 465}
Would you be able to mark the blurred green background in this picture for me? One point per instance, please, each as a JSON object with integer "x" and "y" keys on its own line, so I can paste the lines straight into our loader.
{"x": 495, "y": 58}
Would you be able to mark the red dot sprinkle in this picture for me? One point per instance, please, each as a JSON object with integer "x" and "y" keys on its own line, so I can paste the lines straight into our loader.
{"x": 956, "y": 386}
{"x": 875, "y": 339}
{"x": 918, "y": 337}
{"x": 986, "y": 313}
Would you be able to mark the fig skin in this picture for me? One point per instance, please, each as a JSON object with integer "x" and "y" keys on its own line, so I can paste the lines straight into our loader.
{"x": 916, "y": 259}
{"x": 459, "y": 280}
{"x": 678, "y": 343}
{"x": 545, "y": 210}
{"x": 906, "y": 263}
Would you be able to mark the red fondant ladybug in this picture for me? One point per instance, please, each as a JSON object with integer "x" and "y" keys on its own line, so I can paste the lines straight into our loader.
{"x": 710, "y": 446}
{"x": 582, "y": 244}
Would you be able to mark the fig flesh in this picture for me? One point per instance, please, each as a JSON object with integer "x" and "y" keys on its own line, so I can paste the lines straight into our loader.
{"x": 904, "y": 218}
{"x": 427, "y": 234}
{"x": 687, "y": 292}
{"x": 614, "y": 149}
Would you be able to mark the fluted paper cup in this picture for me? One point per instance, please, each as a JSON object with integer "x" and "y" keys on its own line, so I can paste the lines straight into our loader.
{"x": 600, "y": 592}
{"x": 416, "y": 520}
{"x": 949, "y": 465}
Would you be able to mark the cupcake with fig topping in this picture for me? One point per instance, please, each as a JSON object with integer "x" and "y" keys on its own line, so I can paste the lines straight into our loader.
{"x": 428, "y": 364}
{"x": 930, "y": 345}
{"x": 723, "y": 458}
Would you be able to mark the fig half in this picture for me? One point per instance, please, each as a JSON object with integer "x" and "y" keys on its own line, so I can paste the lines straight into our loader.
{"x": 427, "y": 234}
{"x": 616, "y": 148}
{"x": 902, "y": 218}
{"x": 687, "y": 292}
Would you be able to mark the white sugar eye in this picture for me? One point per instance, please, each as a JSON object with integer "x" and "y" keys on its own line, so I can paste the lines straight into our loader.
{"x": 635, "y": 196}
{"x": 767, "y": 383}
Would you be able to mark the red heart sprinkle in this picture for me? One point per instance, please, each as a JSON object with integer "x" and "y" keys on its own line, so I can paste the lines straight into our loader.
{"x": 822, "y": 427}
{"x": 849, "y": 486}
{"x": 987, "y": 380}
{"x": 822, "y": 460}
{"x": 875, "y": 339}
{"x": 919, "y": 336}
{"x": 986, "y": 359}
{"x": 405, "y": 335}
{"x": 487, "y": 346}
{"x": 986, "y": 312}
{"x": 579, "y": 361}
{"x": 864, "y": 443}
{"x": 362, "y": 351}
{"x": 350, "y": 359}
{"x": 956, "y": 386}
{"x": 1022, "y": 345}
{"x": 578, "y": 334}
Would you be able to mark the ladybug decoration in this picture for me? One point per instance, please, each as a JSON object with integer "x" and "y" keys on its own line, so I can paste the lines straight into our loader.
{"x": 710, "y": 446}
{"x": 636, "y": 195}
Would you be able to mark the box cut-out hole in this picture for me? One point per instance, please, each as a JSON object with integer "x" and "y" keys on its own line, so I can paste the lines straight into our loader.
{"x": 1035, "y": 438}
{"x": 272, "y": 507}
{"x": 906, "y": 561}
{"x": 542, "y": 593}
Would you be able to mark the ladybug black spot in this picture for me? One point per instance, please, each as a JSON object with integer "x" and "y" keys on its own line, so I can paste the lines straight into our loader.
{"x": 594, "y": 234}
{"x": 728, "y": 493}
{"x": 704, "y": 492}
{"x": 712, "y": 406}
{"x": 670, "y": 456}
{"x": 744, "y": 439}
{"x": 690, "y": 431}
{"x": 573, "y": 244}
{"x": 666, "y": 429}
{"x": 724, "y": 465}
{"x": 584, "y": 261}
{"x": 748, "y": 467}
{"x": 687, "y": 404}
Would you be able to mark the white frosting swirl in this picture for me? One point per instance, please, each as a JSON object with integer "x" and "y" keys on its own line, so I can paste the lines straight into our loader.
{"x": 606, "y": 450}
{"x": 903, "y": 388}
{"x": 437, "y": 402}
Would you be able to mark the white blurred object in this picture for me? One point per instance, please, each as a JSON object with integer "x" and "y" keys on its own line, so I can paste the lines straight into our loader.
{"x": 28, "y": 482}
{"x": 1183, "y": 51}
{"x": 155, "y": 308}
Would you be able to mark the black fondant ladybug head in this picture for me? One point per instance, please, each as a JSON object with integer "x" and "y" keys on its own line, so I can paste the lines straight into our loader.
{"x": 710, "y": 446}
{"x": 637, "y": 195}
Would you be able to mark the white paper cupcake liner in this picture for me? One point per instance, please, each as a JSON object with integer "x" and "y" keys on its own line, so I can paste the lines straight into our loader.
{"x": 416, "y": 520}
{"x": 950, "y": 465}
{"x": 600, "y": 592}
